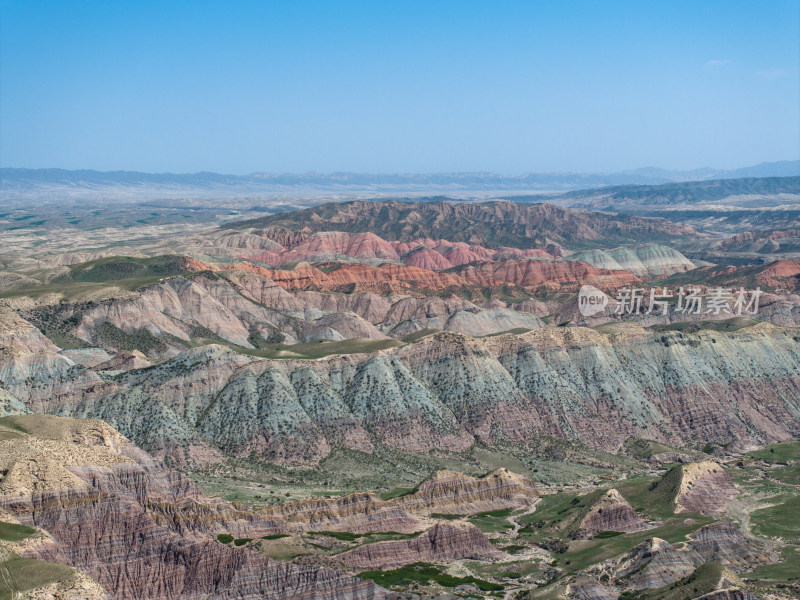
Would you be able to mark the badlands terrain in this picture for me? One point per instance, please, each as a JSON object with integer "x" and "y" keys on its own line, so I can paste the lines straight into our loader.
{"x": 235, "y": 395}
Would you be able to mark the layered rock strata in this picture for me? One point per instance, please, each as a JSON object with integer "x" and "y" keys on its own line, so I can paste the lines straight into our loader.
{"x": 610, "y": 512}
{"x": 445, "y": 391}
{"x": 140, "y": 530}
{"x": 701, "y": 486}
{"x": 444, "y": 492}
{"x": 441, "y": 543}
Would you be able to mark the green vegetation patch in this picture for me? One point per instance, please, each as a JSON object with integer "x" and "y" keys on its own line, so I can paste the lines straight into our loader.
{"x": 12, "y": 422}
{"x": 347, "y": 536}
{"x": 224, "y": 538}
{"x": 641, "y": 448}
{"x": 275, "y": 536}
{"x": 654, "y": 497}
{"x": 425, "y": 574}
{"x": 558, "y": 515}
{"x": 19, "y": 575}
{"x": 780, "y": 520}
{"x": 724, "y": 326}
{"x": 114, "y": 268}
{"x": 783, "y": 452}
{"x": 11, "y": 532}
{"x": 241, "y": 541}
{"x": 141, "y": 340}
{"x": 398, "y": 492}
{"x": 321, "y": 348}
{"x": 493, "y": 521}
{"x": 604, "y": 535}
{"x": 788, "y": 569}
{"x": 418, "y": 335}
{"x": 584, "y": 553}
{"x": 514, "y": 331}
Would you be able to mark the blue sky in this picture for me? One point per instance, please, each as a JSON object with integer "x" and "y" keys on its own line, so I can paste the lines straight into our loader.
{"x": 390, "y": 86}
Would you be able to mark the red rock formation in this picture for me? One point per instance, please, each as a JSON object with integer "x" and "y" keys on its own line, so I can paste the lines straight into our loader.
{"x": 302, "y": 277}
{"x": 459, "y": 253}
{"x": 427, "y": 259}
{"x": 778, "y": 275}
{"x": 775, "y": 274}
{"x": 364, "y": 277}
{"x": 531, "y": 272}
{"x": 330, "y": 243}
{"x": 403, "y": 275}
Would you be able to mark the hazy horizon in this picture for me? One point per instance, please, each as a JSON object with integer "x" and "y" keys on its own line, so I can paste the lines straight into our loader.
{"x": 406, "y": 173}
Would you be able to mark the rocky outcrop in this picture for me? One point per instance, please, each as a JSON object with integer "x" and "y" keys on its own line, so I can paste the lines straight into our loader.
{"x": 356, "y": 513}
{"x": 444, "y": 391}
{"x": 327, "y": 245}
{"x": 701, "y": 486}
{"x": 87, "y": 357}
{"x": 531, "y": 272}
{"x": 380, "y": 279}
{"x": 780, "y": 276}
{"x": 32, "y": 370}
{"x": 452, "y": 541}
{"x": 444, "y": 492}
{"x": 572, "y": 383}
{"x": 586, "y": 587}
{"x": 427, "y": 259}
{"x": 762, "y": 242}
{"x": 490, "y": 321}
{"x": 77, "y": 587}
{"x": 717, "y": 551}
{"x": 449, "y": 492}
{"x": 124, "y": 361}
{"x": 141, "y": 530}
{"x": 655, "y": 563}
{"x": 724, "y": 543}
{"x": 10, "y": 405}
{"x": 175, "y": 307}
{"x": 610, "y": 512}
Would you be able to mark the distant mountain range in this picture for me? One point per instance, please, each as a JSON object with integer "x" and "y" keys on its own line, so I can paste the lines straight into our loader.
{"x": 496, "y": 224}
{"x": 687, "y": 192}
{"x": 26, "y": 182}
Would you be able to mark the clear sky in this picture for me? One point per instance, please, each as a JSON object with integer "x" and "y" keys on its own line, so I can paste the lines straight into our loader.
{"x": 398, "y": 86}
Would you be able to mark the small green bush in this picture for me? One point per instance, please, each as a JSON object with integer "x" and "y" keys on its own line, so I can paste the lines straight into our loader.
{"x": 606, "y": 534}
